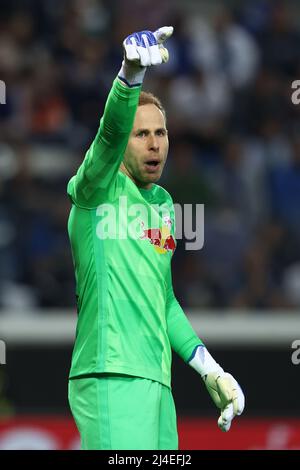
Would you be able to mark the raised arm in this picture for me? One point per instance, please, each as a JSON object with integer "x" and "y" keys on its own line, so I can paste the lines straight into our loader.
{"x": 95, "y": 180}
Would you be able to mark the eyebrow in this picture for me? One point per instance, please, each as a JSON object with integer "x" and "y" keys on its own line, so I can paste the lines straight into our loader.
{"x": 164, "y": 129}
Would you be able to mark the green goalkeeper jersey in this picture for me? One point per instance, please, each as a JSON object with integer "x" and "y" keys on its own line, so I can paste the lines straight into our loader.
{"x": 122, "y": 239}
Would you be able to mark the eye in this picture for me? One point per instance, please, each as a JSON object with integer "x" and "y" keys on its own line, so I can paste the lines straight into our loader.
{"x": 141, "y": 134}
{"x": 161, "y": 132}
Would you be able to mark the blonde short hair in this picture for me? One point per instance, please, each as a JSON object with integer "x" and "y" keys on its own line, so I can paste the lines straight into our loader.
{"x": 149, "y": 98}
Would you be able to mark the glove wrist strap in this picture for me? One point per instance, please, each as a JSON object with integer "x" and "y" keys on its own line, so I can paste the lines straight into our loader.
{"x": 204, "y": 363}
{"x": 131, "y": 75}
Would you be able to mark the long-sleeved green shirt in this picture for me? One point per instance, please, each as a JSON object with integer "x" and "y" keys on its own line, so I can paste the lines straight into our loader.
{"x": 122, "y": 239}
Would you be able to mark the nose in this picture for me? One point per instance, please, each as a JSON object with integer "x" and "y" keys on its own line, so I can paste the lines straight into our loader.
{"x": 153, "y": 143}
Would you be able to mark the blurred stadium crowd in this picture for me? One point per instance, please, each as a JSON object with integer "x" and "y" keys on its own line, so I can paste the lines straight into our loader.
{"x": 234, "y": 141}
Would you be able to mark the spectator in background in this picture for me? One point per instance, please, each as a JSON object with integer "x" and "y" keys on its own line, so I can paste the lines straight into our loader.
{"x": 259, "y": 284}
{"x": 279, "y": 41}
{"x": 204, "y": 101}
{"x": 224, "y": 48}
{"x": 285, "y": 190}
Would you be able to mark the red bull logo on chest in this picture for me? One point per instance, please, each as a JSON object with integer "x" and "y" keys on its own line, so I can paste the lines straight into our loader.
{"x": 161, "y": 238}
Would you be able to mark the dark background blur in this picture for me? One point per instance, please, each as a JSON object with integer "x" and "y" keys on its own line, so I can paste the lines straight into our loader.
{"x": 234, "y": 136}
{"x": 234, "y": 146}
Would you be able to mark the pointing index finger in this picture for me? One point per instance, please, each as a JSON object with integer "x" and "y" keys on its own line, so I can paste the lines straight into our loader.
{"x": 163, "y": 33}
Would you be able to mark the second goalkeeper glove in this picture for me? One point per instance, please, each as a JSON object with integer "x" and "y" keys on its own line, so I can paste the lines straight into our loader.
{"x": 222, "y": 387}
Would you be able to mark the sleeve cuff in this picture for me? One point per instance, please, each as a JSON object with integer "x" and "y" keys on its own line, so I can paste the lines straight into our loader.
{"x": 131, "y": 75}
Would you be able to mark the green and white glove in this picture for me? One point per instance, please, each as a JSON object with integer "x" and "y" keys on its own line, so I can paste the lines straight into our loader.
{"x": 141, "y": 50}
{"x": 222, "y": 387}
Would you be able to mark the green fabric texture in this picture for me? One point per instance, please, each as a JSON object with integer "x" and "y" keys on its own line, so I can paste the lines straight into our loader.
{"x": 123, "y": 413}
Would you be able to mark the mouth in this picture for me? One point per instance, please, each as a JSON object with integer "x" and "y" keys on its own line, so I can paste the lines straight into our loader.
{"x": 152, "y": 165}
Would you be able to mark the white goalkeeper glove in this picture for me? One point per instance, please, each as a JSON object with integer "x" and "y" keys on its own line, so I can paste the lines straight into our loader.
{"x": 141, "y": 50}
{"x": 222, "y": 387}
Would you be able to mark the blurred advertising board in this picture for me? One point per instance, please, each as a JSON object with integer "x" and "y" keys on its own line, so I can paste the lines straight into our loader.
{"x": 60, "y": 433}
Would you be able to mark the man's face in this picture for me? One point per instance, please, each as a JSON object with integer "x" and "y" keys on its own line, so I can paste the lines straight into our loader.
{"x": 147, "y": 147}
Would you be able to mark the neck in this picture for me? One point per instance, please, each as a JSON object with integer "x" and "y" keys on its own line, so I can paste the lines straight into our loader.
{"x": 139, "y": 184}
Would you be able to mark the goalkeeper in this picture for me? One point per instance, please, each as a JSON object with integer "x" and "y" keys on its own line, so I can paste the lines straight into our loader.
{"x": 128, "y": 317}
